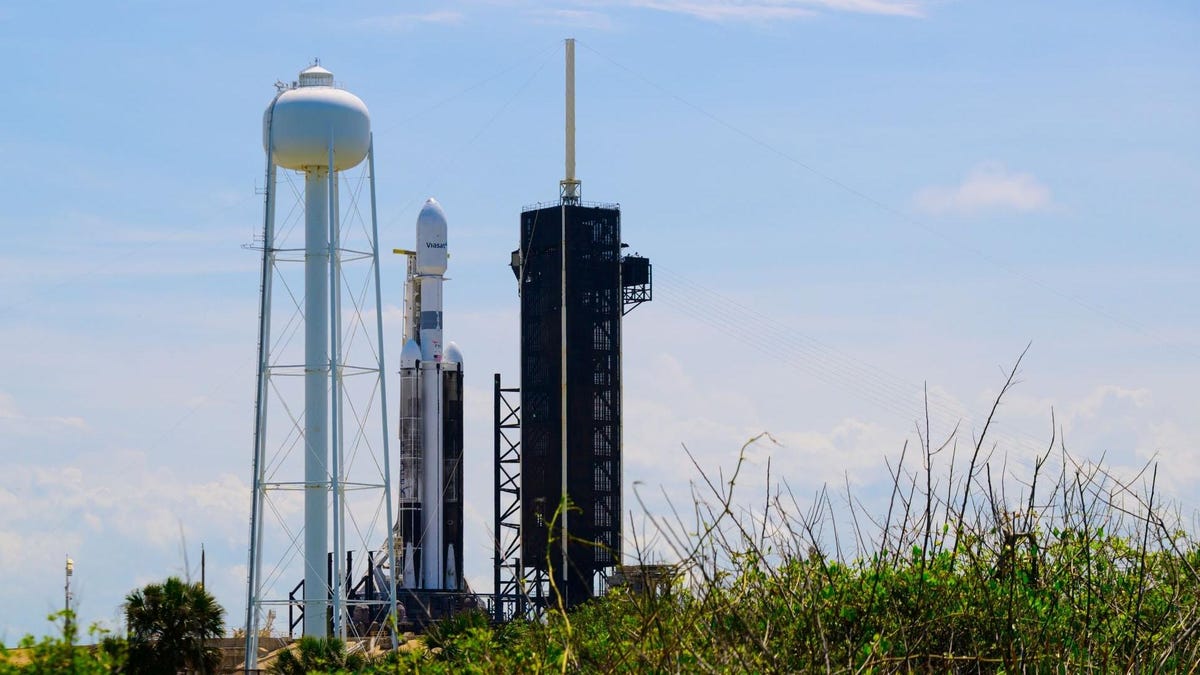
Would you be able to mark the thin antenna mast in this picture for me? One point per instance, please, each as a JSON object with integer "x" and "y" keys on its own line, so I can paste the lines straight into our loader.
{"x": 569, "y": 194}
{"x": 569, "y": 186}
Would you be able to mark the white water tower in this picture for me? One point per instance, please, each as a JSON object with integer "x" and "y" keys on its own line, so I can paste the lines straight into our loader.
{"x": 316, "y": 129}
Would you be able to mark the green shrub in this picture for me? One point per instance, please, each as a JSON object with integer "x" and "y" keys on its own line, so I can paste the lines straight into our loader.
{"x": 317, "y": 655}
{"x": 52, "y": 655}
{"x": 1082, "y": 571}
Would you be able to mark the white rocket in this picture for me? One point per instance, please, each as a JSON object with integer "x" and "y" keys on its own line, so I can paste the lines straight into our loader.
{"x": 429, "y": 518}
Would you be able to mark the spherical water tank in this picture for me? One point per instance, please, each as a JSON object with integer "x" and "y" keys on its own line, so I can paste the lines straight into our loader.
{"x": 311, "y": 117}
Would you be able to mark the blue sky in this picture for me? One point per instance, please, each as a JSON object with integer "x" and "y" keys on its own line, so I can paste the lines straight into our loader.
{"x": 843, "y": 199}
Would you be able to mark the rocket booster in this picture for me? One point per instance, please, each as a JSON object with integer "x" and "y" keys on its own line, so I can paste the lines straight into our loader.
{"x": 429, "y": 517}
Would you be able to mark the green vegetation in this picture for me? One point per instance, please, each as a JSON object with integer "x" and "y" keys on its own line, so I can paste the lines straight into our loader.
{"x": 317, "y": 655}
{"x": 1066, "y": 568}
{"x": 170, "y": 625}
{"x": 52, "y": 655}
{"x": 1008, "y": 595}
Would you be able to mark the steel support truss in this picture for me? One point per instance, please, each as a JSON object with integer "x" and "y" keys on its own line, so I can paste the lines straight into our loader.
{"x": 520, "y": 592}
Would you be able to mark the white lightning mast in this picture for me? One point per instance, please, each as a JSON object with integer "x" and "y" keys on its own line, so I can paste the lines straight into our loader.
{"x": 569, "y": 186}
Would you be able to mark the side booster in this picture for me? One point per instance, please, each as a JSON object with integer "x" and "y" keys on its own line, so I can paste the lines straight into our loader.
{"x": 429, "y": 532}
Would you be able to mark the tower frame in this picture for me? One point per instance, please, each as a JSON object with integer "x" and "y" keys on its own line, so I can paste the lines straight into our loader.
{"x": 347, "y": 484}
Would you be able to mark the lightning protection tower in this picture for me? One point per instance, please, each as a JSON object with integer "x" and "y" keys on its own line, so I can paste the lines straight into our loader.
{"x": 321, "y": 467}
{"x": 575, "y": 285}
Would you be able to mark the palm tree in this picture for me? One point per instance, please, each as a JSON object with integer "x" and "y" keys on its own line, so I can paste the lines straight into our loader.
{"x": 317, "y": 655}
{"x": 169, "y": 627}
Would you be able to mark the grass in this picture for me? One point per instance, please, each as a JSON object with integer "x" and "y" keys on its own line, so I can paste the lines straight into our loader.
{"x": 966, "y": 567}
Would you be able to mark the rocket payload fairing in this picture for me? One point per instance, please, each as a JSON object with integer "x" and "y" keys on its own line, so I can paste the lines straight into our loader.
{"x": 429, "y": 532}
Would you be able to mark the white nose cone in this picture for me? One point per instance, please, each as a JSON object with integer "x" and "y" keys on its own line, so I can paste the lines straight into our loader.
{"x": 453, "y": 354}
{"x": 432, "y": 254}
{"x": 410, "y": 354}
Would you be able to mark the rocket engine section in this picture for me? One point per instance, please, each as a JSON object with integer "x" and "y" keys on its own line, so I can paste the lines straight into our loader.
{"x": 429, "y": 531}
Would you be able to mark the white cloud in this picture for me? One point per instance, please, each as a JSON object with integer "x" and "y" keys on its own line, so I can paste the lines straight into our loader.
{"x": 1122, "y": 428}
{"x": 1177, "y": 450}
{"x": 988, "y": 187}
{"x": 767, "y": 10}
{"x": 408, "y": 21}
{"x": 853, "y": 449}
{"x": 677, "y": 392}
{"x": 123, "y": 516}
{"x": 575, "y": 18}
{"x": 589, "y": 14}
{"x": 1096, "y": 400}
{"x": 13, "y": 419}
{"x": 714, "y": 10}
{"x": 125, "y": 493}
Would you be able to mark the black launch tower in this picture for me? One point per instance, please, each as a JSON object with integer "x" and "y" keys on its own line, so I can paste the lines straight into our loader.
{"x": 571, "y": 257}
{"x": 558, "y": 452}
